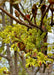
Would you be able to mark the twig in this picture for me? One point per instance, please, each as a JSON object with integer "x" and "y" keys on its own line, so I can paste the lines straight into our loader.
{"x": 46, "y": 11}
{"x": 15, "y": 61}
{"x": 34, "y": 25}
{"x": 23, "y": 62}
{"x": 22, "y": 23}
{"x": 21, "y": 6}
{"x": 44, "y": 15}
{"x": 36, "y": 70}
{"x": 1, "y": 55}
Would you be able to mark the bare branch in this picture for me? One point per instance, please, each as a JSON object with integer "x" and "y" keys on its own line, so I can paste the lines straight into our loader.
{"x": 44, "y": 15}
{"x": 34, "y": 25}
{"x": 11, "y": 12}
{"x": 21, "y": 6}
{"x": 24, "y": 62}
{"x": 22, "y": 23}
{"x": 46, "y": 11}
{"x": 3, "y": 16}
{"x": 1, "y": 55}
{"x": 15, "y": 62}
{"x": 17, "y": 7}
{"x": 36, "y": 70}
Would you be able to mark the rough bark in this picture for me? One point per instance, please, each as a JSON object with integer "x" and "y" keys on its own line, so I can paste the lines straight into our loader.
{"x": 12, "y": 70}
{"x": 16, "y": 60}
{"x": 3, "y": 17}
{"x": 11, "y": 12}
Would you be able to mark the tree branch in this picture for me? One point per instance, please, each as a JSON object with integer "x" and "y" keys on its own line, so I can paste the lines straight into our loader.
{"x": 17, "y": 7}
{"x": 22, "y": 23}
{"x": 21, "y": 6}
{"x": 34, "y": 25}
{"x": 36, "y": 70}
{"x": 16, "y": 62}
{"x": 44, "y": 15}
{"x": 46, "y": 11}
{"x": 23, "y": 62}
{"x": 1, "y": 55}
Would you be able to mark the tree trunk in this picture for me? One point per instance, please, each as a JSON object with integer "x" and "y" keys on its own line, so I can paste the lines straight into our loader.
{"x": 12, "y": 69}
{"x": 15, "y": 62}
{"x": 41, "y": 1}
{"x": 3, "y": 17}
{"x": 11, "y": 12}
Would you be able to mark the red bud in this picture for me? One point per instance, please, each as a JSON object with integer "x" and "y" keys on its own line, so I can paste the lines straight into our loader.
{"x": 28, "y": 16}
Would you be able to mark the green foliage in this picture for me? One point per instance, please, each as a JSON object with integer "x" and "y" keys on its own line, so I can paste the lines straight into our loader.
{"x": 3, "y": 69}
{"x": 49, "y": 48}
{"x": 50, "y": 54}
{"x": 32, "y": 40}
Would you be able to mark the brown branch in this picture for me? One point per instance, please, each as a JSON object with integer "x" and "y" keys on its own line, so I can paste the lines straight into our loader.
{"x": 15, "y": 61}
{"x": 11, "y": 12}
{"x": 21, "y": 6}
{"x": 52, "y": 18}
{"x": 3, "y": 16}
{"x": 1, "y": 55}
{"x": 34, "y": 20}
{"x": 44, "y": 15}
{"x": 46, "y": 11}
{"x": 17, "y": 7}
{"x": 22, "y": 23}
{"x": 34, "y": 25}
{"x": 36, "y": 70}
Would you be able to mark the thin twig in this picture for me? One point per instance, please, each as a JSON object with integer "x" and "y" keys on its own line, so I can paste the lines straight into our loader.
{"x": 22, "y": 23}
{"x": 1, "y": 55}
{"x": 34, "y": 25}
{"x": 44, "y": 15}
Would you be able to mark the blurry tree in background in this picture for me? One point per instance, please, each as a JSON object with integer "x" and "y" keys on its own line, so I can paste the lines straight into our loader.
{"x": 24, "y": 43}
